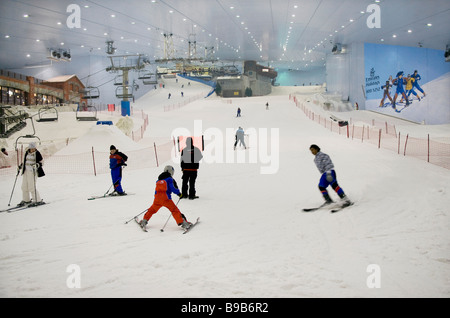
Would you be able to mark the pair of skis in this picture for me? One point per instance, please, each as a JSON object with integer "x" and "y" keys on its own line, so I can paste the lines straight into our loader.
{"x": 334, "y": 210}
{"x": 94, "y": 197}
{"x": 22, "y": 207}
{"x": 184, "y": 232}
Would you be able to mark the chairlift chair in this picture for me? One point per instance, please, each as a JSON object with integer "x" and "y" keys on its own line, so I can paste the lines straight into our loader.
{"x": 89, "y": 113}
{"x": 120, "y": 94}
{"x": 31, "y": 136}
{"x": 118, "y": 80}
{"x": 47, "y": 113}
{"x": 91, "y": 92}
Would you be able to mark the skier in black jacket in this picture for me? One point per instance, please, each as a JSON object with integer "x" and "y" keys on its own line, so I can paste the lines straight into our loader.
{"x": 190, "y": 162}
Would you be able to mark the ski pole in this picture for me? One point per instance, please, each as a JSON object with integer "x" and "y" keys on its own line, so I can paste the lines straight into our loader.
{"x": 14, "y": 186}
{"x": 135, "y": 216}
{"x": 162, "y": 230}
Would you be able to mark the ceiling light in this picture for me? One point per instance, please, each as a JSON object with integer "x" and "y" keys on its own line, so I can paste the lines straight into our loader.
{"x": 409, "y": 31}
{"x": 429, "y": 24}
{"x": 394, "y": 36}
{"x": 26, "y": 15}
{"x": 7, "y": 36}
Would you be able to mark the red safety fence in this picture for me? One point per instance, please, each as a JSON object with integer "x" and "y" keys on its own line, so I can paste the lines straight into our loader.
{"x": 384, "y": 135}
{"x": 95, "y": 162}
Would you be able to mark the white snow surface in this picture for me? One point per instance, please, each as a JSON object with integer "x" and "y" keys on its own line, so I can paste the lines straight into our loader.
{"x": 253, "y": 239}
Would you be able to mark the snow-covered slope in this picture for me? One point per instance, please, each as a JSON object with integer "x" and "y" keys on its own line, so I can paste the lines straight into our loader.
{"x": 253, "y": 239}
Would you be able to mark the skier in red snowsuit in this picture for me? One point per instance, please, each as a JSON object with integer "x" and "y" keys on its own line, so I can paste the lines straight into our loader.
{"x": 165, "y": 186}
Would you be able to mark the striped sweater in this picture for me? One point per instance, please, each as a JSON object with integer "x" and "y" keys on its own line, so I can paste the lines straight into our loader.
{"x": 323, "y": 162}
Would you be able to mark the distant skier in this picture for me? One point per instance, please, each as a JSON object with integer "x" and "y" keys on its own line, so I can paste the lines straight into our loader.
{"x": 239, "y": 137}
{"x": 165, "y": 186}
{"x": 117, "y": 160}
{"x": 399, "y": 81}
{"x": 238, "y": 112}
{"x": 169, "y": 96}
{"x": 31, "y": 170}
{"x": 328, "y": 177}
{"x": 417, "y": 78}
{"x": 267, "y": 106}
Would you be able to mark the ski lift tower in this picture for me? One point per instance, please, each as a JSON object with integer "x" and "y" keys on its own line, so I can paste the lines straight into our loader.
{"x": 124, "y": 64}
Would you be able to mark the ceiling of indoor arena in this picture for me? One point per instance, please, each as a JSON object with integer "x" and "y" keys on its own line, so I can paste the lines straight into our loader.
{"x": 279, "y": 33}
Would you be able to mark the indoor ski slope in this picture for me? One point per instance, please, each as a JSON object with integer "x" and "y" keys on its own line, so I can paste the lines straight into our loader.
{"x": 253, "y": 239}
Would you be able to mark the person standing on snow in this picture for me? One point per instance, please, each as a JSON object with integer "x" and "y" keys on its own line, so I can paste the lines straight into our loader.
{"x": 116, "y": 160}
{"x": 190, "y": 162}
{"x": 239, "y": 137}
{"x": 165, "y": 186}
{"x": 31, "y": 170}
{"x": 328, "y": 177}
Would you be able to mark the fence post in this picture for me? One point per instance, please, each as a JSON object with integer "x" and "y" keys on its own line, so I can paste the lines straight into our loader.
{"x": 398, "y": 148}
{"x": 406, "y": 142}
{"x": 93, "y": 161}
{"x": 348, "y": 132}
{"x": 428, "y": 160}
{"x": 379, "y": 138}
{"x": 362, "y": 135}
{"x": 156, "y": 155}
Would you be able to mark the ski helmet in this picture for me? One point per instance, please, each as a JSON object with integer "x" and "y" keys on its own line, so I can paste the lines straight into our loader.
{"x": 169, "y": 169}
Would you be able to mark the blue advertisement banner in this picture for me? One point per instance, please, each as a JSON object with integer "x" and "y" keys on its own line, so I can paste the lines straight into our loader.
{"x": 407, "y": 82}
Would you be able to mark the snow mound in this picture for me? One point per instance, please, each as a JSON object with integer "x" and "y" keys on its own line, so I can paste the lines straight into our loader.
{"x": 101, "y": 137}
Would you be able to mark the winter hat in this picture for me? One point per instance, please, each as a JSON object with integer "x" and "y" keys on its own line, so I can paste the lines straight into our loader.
{"x": 32, "y": 145}
{"x": 112, "y": 147}
{"x": 399, "y": 73}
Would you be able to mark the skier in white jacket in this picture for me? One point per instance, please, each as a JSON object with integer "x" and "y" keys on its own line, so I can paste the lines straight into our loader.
{"x": 240, "y": 138}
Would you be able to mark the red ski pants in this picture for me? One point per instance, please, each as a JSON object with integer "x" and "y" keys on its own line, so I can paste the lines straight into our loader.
{"x": 164, "y": 202}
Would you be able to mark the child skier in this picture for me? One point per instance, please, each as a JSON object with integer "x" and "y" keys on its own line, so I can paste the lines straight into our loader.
{"x": 117, "y": 159}
{"x": 326, "y": 168}
{"x": 165, "y": 186}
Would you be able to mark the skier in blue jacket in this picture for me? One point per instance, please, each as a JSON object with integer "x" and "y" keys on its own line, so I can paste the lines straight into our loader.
{"x": 328, "y": 177}
{"x": 116, "y": 162}
{"x": 399, "y": 81}
{"x": 417, "y": 77}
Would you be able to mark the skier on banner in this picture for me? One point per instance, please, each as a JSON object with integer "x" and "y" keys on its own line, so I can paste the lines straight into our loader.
{"x": 326, "y": 168}
{"x": 417, "y": 78}
{"x": 117, "y": 159}
{"x": 410, "y": 87}
{"x": 31, "y": 170}
{"x": 386, "y": 89}
{"x": 399, "y": 81}
{"x": 165, "y": 186}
